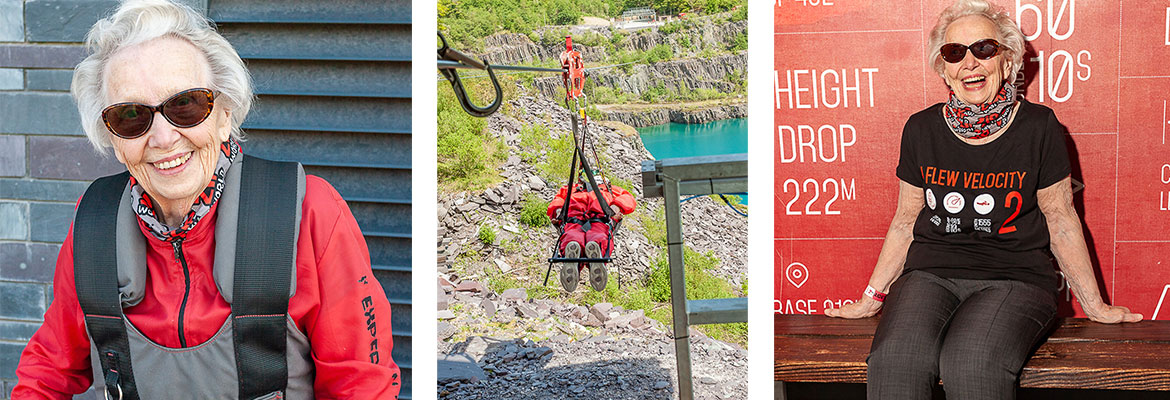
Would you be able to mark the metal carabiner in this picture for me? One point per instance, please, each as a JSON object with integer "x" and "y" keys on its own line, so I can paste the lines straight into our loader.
{"x": 107, "y": 392}
{"x": 449, "y": 54}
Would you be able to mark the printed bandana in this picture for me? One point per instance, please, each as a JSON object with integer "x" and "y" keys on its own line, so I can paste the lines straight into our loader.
{"x": 230, "y": 151}
{"x": 975, "y": 122}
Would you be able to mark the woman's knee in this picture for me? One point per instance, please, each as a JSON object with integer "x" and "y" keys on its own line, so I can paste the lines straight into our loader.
{"x": 978, "y": 374}
{"x": 903, "y": 358}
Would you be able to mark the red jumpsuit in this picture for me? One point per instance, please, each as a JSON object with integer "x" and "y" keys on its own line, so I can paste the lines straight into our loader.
{"x": 333, "y": 276}
{"x": 584, "y": 206}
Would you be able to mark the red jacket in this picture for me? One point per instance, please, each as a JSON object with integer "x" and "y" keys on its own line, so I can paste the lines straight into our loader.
{"x": 585, "y": 203}
{"x": 333, "y": 276}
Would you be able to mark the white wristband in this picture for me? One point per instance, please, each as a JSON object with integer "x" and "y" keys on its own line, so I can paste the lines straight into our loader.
{"x": 875, "y": 294}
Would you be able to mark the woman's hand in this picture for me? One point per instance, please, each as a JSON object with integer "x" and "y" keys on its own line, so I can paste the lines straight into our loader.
{"x": 866, "y": 307}
{"x": 1107, "y": 314}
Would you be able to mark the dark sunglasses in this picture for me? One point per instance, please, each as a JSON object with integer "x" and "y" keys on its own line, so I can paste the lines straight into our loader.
{"x": 184, "y": 110}
{"x": 983, "y": 49}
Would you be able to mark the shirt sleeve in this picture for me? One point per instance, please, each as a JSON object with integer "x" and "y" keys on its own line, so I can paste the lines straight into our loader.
{"x": 55, "y": 364}
{"x": 345, "y": 312}
{"x": 908, "y": 166}
{"x": 557, "y": 202}
{"x": 623, "y": 200}
{"x": 1054, "y": 162}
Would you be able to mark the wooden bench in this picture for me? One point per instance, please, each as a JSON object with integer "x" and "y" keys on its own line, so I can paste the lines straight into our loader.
{"x": 1080, "y": 354}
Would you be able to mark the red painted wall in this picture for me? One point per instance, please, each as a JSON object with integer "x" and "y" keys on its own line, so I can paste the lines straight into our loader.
{"x": 848, "y": 73}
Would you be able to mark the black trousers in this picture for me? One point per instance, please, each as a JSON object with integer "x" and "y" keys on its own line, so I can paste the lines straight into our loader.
{"x": 974, "y": 334}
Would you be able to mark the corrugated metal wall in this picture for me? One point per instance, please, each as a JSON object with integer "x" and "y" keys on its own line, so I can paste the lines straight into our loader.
{"x": 333, "y": 85}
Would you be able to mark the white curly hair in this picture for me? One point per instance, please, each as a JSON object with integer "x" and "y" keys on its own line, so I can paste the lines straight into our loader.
{"x": 139, "y": 21}
{"x": 1010, "y": 37}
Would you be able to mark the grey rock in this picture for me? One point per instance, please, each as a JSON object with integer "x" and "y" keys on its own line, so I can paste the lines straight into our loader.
{"x": 492, "y": 197}
{"x": 445, "y": 314}
{"x": 470, "y": 286}
{"x": 458, "y": 367}
{"x": 527, "y": 311}
{"x": 535, "y": 183}
{"x": 502, "y": 265}
{"x": 601, "y": 311}
{"x": 475, "y": 346}
{"x": 489, "y": 307}
{"x": 592, "y": 321}
{"x": 579, "y": 312}
{"x": 446, "y": 330}
{"x": 515, "y": 294}
{"x": 624, "y": 320}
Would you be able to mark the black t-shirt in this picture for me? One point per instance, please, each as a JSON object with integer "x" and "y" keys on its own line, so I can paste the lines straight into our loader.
{"x": 981, "y": 219}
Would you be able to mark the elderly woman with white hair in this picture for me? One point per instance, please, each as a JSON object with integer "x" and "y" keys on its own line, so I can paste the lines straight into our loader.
{"x": 984, "y": 193}
{"x": 200, "y": 272}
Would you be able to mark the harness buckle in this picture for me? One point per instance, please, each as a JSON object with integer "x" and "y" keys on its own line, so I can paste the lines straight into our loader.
{"x": 113, "y": 378}
{"x": 107, "y": 392}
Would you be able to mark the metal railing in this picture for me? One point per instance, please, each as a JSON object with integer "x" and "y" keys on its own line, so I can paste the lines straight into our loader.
{"x": 671, "y": 178}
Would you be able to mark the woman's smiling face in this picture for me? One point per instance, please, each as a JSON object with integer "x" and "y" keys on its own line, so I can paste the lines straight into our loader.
{"x": 172, "y": 164}
{"x": 974, "y": 81}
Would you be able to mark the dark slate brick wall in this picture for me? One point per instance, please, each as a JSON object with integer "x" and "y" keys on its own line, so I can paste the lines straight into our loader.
{"x": 45, "y": 160}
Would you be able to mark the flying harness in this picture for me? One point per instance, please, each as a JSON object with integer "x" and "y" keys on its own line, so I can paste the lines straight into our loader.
{"x": 573, "y": 73}
{"x": 260, "y": 212}
{"x": 574, "y": 79}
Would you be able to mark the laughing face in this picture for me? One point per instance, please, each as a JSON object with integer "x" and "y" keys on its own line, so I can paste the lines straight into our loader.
{"x": 172, "y": 164}
{"x": 974, "y": 81}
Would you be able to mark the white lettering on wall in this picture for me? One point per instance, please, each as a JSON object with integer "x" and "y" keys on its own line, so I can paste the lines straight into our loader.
{"x": 1054, "y": 79}
{"x": 841, "y": 191}
{"x": 804, "y": 139}
{"x": 809, "y": 88}
{"x": 1054, "y": 18}
{"x": 1054, "y": 82}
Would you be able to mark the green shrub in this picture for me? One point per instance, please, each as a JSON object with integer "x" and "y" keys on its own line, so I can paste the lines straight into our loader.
{"x": 467, "y": 22}
{"x": 616, "y": 39}
{"x": 533, "y": 211}
{"x": 741, "y": 42}
{"x": 609, "y": 95}
{"x": 590, "y": 39}
{"x": 460, "y": 148}
{"x": 554, "y": 36}
{"x": 487, "y": 234}
{"x": 654, "y": 94}
{"x": 718, "y": 6}
{"x": 684, "y": 41}
{"x": 659, "y": 53}
{"x": 555, "y": 167}
{"x": 532, "y": 138}
{"x": 566, "y": 13}
{"x": 593, "y": 113}
{"x": 670, "y": 28}
{"x": 700, "y": 284}
{"x": 740, "y": 14}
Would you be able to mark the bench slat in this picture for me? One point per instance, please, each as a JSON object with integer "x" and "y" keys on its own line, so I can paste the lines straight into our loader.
{"x": 1080, "y": 355}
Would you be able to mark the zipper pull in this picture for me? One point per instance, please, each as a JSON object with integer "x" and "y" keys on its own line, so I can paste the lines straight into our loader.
{"x": 178, "y": 246}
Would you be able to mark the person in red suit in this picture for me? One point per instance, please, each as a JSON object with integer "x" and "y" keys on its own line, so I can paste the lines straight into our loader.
{"x": 586, "y": 228}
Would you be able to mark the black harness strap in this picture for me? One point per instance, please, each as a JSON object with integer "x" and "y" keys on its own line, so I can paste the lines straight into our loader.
{"x": 95, "y": 273}
{"x": 264, "y": 262}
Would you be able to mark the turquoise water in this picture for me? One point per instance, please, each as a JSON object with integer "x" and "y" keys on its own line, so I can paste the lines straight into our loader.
{"x": 672, "y": 140}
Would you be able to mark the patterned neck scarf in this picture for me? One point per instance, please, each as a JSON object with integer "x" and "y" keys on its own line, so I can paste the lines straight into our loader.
{"x": 229, "y": 151}
{"x": 980, "y": 121}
